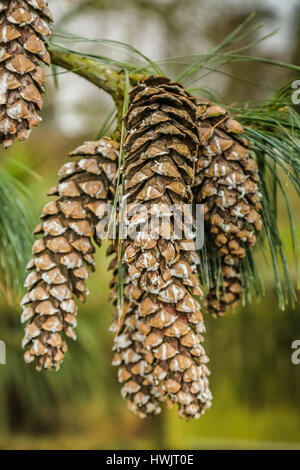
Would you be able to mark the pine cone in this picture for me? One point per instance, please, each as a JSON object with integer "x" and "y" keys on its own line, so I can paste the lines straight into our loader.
{"x": 23, "y": 34}
{"x": 161, "y": 142}
{"x": 65, "y": 250}
{"x": 227, "y": 184}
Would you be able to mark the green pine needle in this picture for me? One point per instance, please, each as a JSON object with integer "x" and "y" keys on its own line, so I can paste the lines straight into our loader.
{"x": 59, "y": 36}
{"x": 108, "y": 123}
{"x": 16, "y": 222}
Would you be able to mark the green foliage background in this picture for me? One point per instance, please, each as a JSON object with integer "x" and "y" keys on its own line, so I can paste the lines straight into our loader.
{"x": 255, "y": 385}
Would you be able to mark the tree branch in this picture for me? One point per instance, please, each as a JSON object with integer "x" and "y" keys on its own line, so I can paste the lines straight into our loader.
{"x": 101, "y": 75}
{"x": 110, "y": 80}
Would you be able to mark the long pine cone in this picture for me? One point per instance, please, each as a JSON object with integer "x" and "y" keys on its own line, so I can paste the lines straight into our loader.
{"x": 227, "y": 184}
{"x": 161, "y": 144}
{"x": 23, "y": 44}
{"x": 65, "y": 250}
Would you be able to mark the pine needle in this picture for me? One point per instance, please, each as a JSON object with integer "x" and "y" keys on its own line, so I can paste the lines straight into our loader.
{"x": 121, "y": 184}
{"x": 59, "y": 36}
{"x": 107, "y": 124}
{"x": 16, "y": 221}
{"x": 273, "y": 129}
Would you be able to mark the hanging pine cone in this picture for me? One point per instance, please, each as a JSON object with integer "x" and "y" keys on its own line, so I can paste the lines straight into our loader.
{"x": 227, "y": 184}
{"x": 23, "y": 35}
{"x": 65, "y": 250}
{"x": 161, "y": 143}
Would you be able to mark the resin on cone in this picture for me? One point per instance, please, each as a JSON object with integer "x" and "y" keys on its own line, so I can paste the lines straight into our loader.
{"x": 161, "y": 148}
{"x": 65, "y": 250}
{"x": 227, "y": 184}
{"x": 23, "y": 46}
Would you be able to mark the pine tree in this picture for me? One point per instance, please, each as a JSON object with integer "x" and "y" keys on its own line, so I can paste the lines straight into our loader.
{"x": 227, "y": 183}
{"x": 161, "y": 144}
{"x": 65, "y": 251}
{"x": 23, "y": 45}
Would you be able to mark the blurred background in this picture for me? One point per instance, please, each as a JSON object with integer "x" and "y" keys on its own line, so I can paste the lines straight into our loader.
{"x": 256, "y": 387}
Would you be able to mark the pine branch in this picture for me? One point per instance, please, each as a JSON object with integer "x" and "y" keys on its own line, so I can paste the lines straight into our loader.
{"x": 107, "y": 78}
